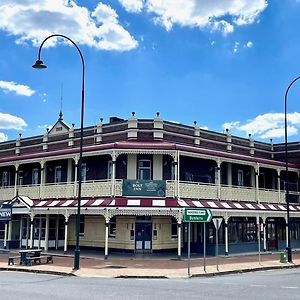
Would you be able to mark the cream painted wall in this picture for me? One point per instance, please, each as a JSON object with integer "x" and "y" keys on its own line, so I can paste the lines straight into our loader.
{"x": 95, "y": 233}
{"x": 131, "y": 166}
{"x": 157, "y": 167}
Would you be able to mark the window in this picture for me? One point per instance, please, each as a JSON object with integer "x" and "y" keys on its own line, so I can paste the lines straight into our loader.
{"x": 109, "y": 169}
{"x": 39, "y": 225}
{"x": 144, "y": 169}
{"x": 112, "y": 228}
{"x": 81, "y": 227}
{"x": 240, "y": 177}
{"x": 35, "y": 176}
{"x": 174, "y": 228}
{"x": 83, "y": 172}
{"x": 173, "y": 171}
{"x": 20, "y": 177}
{"x": 242, "y": 230}
{"x": 57, "y": 175}
{"x": 5, "y": 178}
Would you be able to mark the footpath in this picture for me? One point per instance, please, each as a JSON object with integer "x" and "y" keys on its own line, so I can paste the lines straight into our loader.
{"x": 152, "y": 266}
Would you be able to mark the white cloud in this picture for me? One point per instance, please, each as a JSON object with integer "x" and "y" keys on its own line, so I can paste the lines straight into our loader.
{"x": 19, "y": 89}
{"x": 249, "y": 44}
{"x": 3, "y": 137}
{"x": 219, "y": 15}
{"x": 269, "y": 125}
{"x": 135, "y": 6}
{"x": 32, "y": 21}
{"x": 236, "y": 47}
{"x": 8, "y": 121}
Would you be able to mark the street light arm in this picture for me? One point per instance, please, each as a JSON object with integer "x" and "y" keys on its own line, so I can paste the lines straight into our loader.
{"x": 65, "y": 37}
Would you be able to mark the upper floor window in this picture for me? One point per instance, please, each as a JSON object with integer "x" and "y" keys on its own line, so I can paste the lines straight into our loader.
{"x": 57, "y": 175}
{"x": 240, "y": 177}
{"x": 20, "y": 177}
{"x": 144, "y": 169}
{"x": 35, "y": 176}
{"x": 5, "y": 178}
{"x": 83, "y": 172}
{"x": 109, "y": 169}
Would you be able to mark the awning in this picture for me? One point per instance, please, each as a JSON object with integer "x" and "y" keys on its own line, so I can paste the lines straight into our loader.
{"x": 162, "y": 203}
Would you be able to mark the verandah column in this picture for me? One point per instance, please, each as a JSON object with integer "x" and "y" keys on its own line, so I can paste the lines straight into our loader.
{"x": 179, "y": 227}
{"x": 278, "y": 184}
{"x": 31, "y": 231}
{"x": 16, "y": 179}
{"x": 43, "y": 177}
{"x": 47, "y": 233}
{"x": 264, "y": 234}
{"x": 226, "y": 235}
{"x": 113, "y": 175}
{"x": 66, "y": 233}
{"x": 107, "y": 219}
{"x": 76, "y": 159}
{"x": 219, "y": 178}
{"x": 257, "y": 183}
{"x": 5, "y": 234}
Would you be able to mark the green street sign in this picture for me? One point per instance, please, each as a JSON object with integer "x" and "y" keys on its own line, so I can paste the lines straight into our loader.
{"x": 197, "y": 215}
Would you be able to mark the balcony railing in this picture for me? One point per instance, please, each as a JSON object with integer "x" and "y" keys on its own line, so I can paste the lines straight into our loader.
{"x": 105, "y": 188}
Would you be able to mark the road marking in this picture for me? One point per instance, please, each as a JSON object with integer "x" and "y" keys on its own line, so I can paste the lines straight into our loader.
{"x": 258, "y": 285}
{"x": 289, "y": 287}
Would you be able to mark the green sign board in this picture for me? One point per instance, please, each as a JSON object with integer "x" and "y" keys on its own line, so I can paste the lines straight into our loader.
{"x": 197, "y": 215}
{"x": 152, "y": 188}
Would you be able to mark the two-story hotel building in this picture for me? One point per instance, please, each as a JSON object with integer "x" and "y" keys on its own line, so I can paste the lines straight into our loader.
{"x": 138, "y": 175}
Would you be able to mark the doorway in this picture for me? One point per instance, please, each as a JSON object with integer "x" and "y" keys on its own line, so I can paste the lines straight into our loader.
{"x": 143, "y": 235}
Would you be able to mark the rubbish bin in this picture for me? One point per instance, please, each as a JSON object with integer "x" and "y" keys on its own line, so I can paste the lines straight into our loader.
{"x": 283, "y": 257}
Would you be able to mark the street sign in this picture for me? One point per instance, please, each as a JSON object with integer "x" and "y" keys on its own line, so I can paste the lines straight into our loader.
{"x": 217, "y": 222}
{"x": 197, "y": 215}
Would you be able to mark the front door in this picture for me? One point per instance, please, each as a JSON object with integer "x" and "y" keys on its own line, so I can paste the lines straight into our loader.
{"x": 272, "y": 239}
{"x": 143, "y": 237}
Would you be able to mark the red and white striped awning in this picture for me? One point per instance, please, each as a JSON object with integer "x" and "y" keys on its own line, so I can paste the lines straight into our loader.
{"x": 161, "y": 203}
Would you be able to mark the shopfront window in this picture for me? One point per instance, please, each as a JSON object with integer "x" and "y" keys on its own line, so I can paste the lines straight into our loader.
{"x": 112, "y": 229}
{"x": 174, "y": 228}
{"x": 242, "y": 230}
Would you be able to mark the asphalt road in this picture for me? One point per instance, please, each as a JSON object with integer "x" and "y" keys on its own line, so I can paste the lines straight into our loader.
{"x": 279, "y": 284}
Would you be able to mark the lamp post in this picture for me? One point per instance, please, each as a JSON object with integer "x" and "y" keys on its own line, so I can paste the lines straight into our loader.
{"x": 40, "y": 65}
{"x": 287, "y": 200}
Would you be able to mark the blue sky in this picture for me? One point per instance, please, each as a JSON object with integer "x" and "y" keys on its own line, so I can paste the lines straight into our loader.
{"x": 224, "y": 64}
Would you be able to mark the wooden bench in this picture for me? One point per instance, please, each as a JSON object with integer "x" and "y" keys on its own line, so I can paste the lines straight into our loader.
{"x": 38, "y": 259}
{"x": 11, "y": 259}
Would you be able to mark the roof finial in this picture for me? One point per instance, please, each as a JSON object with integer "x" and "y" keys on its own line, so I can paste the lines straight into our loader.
{"x": 61, "y": 101}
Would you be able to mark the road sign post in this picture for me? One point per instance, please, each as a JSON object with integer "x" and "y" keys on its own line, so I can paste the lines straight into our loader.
{"x": 217, "y": 222}
{"x": 196, "y": 215}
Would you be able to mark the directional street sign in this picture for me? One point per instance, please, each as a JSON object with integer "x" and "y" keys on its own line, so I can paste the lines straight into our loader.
{"x": 197, "y": 215}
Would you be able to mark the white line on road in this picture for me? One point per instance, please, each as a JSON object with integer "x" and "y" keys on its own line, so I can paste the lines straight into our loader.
{"x": 289, "y": 287}
{"x": 258, "y": 285}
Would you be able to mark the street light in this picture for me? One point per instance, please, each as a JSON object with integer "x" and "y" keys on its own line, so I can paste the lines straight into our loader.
{"x": 287, "y": 200}
{"x": 40, "y": 65}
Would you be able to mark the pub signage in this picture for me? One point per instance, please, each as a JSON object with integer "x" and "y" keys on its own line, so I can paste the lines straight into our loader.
{"x": 152, "y": 188}
{"x": 5, "y": 212}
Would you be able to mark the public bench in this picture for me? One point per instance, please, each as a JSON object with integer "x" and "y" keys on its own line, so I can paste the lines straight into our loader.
{"x": 11, "y": 259}
{"x": 39, "y": 259}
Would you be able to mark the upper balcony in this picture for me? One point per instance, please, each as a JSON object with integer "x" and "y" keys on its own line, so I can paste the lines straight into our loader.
{"x": 171, "y": 189}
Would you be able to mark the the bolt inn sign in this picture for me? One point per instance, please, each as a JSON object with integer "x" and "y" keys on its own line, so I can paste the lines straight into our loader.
{"x": 152, "y": 188}
{"x": 5, "y": 212}
{"x": 197, "y": 215}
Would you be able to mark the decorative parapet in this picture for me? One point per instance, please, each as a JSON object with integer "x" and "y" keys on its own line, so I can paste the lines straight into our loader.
{"x": 98, "y": 137}
{"x": 251, "y": 144}
{"x": 158, "y": 127}
{"x": 196, "y": 134}
{"x": 18, "y": 144}
{"x": 132, "y": 127}
{"x": 71, "y": 136}
{"x": 45, "y": 141}
{"x": 228, "y": 140}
